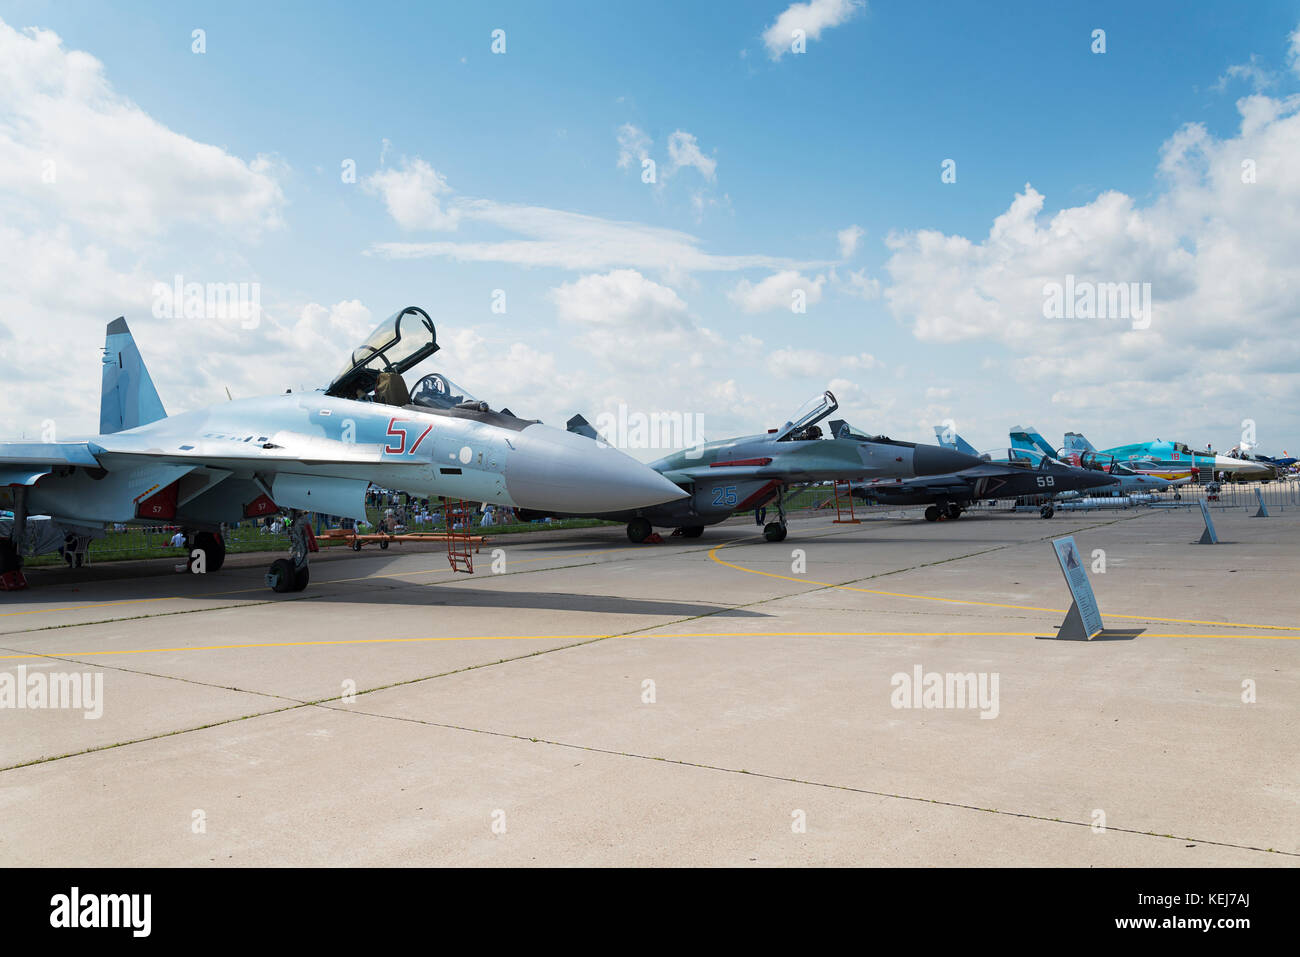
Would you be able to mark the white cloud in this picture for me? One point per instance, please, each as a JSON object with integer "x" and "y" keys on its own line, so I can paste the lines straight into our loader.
{"x": 849, "y": 238}
{"x": 788, "y": 363}
{"x": 1222, "y": 255}
{"x": 623, "y": 298}
{"x": 684, "y": 151}
{"x": 812, "y": 18}
{"x": 633, "y": 146}
{"x": 861, "y": 285}
{"x": 414, "y": 195}
{"x": 115, "y": 170}
{"x": 577, "y": 241}
{"x": 1293, "y": 51}
{"x": 776, "y": 291}
{"x": 1259, "y": 77}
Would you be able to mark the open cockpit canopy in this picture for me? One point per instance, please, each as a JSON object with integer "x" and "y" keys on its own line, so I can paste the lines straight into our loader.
{"x": 804, "y": 423}
{"x": 400, "y": 342}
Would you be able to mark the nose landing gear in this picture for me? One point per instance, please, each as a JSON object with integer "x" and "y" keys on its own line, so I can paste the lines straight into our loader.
{"x": 292, "y": 573}
{"x": 773, "y": 531}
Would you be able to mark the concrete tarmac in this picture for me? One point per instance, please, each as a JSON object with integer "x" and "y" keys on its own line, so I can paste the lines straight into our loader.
{"x": 716, "y": 701}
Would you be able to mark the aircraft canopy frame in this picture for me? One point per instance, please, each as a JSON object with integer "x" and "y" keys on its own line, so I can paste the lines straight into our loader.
{"x": 400, "y": 342}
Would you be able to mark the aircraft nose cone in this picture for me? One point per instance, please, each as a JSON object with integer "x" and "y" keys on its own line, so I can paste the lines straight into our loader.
{"x": 554, "y": 471}
{"x": 936, "y": 460}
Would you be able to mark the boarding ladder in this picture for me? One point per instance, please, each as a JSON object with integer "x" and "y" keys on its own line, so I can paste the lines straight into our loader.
{"x": 843, "y": 502}
{"x": 458, "y": 539}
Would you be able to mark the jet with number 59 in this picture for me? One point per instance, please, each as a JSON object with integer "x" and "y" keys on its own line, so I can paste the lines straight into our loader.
{"x": 1002, "y": 474}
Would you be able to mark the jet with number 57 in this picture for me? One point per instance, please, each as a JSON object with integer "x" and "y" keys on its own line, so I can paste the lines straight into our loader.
{"x": 307, "y": 452}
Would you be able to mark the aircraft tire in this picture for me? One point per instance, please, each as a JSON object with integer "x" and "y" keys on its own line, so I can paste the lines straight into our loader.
{"x": 10, "y": 560}
{"x": 692, "y": 531}
{"x": 932, "y": 513}
{"x": 774, "y": 532}
{"x": 213, "y": 547}
{"x": 281, "y": 575}
{"x": 1047, "y": 511}
{"x": 638, "y": 530}
{"x": 301, "y": 576}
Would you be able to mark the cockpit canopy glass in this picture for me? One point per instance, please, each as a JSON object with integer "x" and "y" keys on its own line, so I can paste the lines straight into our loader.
{"x": 804, "y": 421}
{"x": 1020, "y": 458}
{"x": 400, "y": 342}
{"x": 436, "y": 391}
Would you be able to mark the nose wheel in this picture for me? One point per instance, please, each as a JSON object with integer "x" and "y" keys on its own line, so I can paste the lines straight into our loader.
{"x": 773, "y": 531}
{"x": 293, "y": 573}
{"x": 638, "y": 530}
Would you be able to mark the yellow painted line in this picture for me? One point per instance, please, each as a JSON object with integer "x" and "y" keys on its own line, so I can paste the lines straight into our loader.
{"x": 634, "y": 637}
{"x": 986, "y": 604}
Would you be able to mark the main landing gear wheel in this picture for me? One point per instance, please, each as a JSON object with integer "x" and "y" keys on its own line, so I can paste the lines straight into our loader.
{"x": 952, "y": 512}
{"x": 292, "y": 574}
{"x": 638, "y": 530}
{"x": 774, "y": 532}
{"x": 692, "y": 531}
{"x": 213, "y": 548}
{"x": 281, "y": 577}
{"x": 932, "y": 513}
{"x": 1047, "y": 511}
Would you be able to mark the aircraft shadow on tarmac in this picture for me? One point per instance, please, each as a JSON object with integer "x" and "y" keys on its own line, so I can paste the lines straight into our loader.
{"x": 376, "y": 589}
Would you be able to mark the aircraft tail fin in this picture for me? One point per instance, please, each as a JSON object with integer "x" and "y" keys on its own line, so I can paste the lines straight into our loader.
{"x": 581, "y": 426}
{"x": 1027, "y": 437}
{"x": 1076, "y": 442}
{"x": 951, "y": 440}
{"x": 129, "y": 398}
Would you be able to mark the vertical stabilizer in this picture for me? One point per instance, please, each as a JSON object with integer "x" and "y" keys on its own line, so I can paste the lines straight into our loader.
{"x": 951, "y": 440}
{"x": 129, "y": 398}
{"x": 1027, "y": 437}
{"x": 1075, "y": 442}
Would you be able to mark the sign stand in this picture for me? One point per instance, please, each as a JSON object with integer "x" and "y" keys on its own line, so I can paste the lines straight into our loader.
{"x": 1083, "y": 620}
{"x": 1209, "y": 536}
{"x": 1263, "y": 509}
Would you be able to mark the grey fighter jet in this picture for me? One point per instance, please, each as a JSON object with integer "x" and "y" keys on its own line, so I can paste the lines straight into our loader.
{"x": 737, "y": 475}
{"x": 1000, "y": 474}
{"x": 312, "y": 451}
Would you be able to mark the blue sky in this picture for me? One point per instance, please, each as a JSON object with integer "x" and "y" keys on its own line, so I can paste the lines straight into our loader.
{"x": 791, "y": 151}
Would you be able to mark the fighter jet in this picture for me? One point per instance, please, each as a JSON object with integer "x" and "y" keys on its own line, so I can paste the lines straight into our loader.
{"x": 307, "y": 452}
{"x": 1001, "y": 474}
{"x": 737, "y": 475}
{"x": 1171, "y": 460}
{"x": 1130, "y": 481}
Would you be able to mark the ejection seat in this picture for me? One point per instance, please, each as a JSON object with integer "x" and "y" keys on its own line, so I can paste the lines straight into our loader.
{"x": 390, "y": 389}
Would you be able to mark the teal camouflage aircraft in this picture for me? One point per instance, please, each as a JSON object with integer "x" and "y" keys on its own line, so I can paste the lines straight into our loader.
{"x": 1167, "y": 460}
{"x": 307, "y": 452}
{"x": 721, "y": 478}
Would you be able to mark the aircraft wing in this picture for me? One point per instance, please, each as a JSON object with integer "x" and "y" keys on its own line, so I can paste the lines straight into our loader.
{"x": 23, "y": 463}
{"x": 286, "y": 465}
